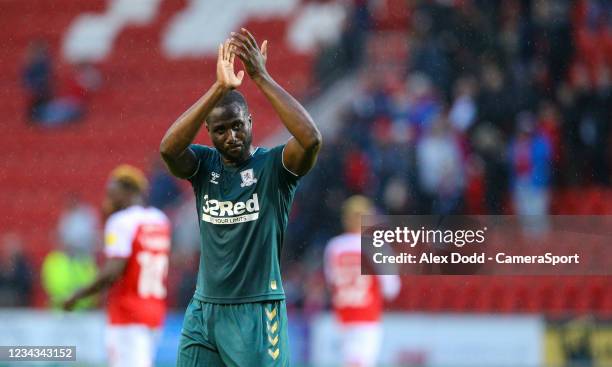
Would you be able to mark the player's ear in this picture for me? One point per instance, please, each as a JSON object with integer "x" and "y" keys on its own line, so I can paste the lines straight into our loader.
{"x": 206, "y": 124}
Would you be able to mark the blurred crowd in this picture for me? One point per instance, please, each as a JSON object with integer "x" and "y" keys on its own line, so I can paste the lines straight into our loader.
{"x": 462, "y": 107}
{"x": 477, "y": 107}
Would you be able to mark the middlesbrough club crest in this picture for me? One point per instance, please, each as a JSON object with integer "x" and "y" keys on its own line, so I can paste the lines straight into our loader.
{"x": 248, "y": 177}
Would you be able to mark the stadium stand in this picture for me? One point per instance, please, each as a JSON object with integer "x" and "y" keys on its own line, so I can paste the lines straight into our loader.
{"x": 442, "y": 46}
{"x": 144, "y": 90}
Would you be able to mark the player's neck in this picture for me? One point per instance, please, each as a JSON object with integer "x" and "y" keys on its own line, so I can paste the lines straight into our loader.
{"x": 236, "y": 162}
{"x": 131, "y": 203}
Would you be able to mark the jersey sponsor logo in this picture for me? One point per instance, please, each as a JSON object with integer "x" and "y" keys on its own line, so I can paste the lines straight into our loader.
{"x": 248, "y": 177}
{"x": 227, "y": 212}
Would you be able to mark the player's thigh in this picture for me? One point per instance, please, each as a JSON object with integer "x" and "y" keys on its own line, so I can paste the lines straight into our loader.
{"x": 194, "y": 354}
{"x": 195, "y": 346}
{"x": 361, "y": 344}
{"x": 130, "y": 345}
{"x": 253, "y": 334}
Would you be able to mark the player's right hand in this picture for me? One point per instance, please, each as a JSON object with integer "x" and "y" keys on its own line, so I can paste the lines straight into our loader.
{"x": 226, "y": 77}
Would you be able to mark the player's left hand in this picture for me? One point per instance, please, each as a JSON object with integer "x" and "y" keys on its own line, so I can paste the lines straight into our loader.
{"x": 253, "y": 58}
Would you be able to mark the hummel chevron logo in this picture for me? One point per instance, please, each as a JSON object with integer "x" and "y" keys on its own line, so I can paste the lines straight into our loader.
{"x": 214, "y": 176}
{"x": 273, "y": 341}
{"x": 272, "y": 328}
{"x": 272, "y": 314}
{"x": 274, "y": 354}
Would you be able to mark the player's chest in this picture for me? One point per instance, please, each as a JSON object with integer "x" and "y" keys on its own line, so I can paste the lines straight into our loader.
{"x": 224, "y": 184}
{"x": 232, "y": 196}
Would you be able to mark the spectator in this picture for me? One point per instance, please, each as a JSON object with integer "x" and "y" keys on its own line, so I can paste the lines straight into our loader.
{"x": 15, "y": 273}
{"x": 429, "y": 56}
{"x": 37, "y": 79}
{"x": 71, "y": 265}
{"x": 423, "y": 101}
{"x": 545, "y": 41}
{"x": 441, "y": 169}
{"x": 397, "y": 197}
{"x": 549, "y": 124}
{"x": 530, "y": 157}
{"x": 63, "y": 272}
{"x": 463, "y": 111}
{"x": 78, "y": 226}
{"x": 489, "y": 145}
{"x": 496, "y": 100}
{"x": 594, "y": 127}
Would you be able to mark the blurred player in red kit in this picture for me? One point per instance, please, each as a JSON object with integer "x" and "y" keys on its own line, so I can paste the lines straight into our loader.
{"x": 136, "y": 245}
{"x": 357, "y": 299}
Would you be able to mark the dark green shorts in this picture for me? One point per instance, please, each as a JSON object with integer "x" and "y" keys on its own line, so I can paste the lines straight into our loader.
{"x": 241, "y": 335}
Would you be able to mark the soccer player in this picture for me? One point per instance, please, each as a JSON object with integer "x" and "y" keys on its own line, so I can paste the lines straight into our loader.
{"x": 237, "y": 316}
{"x": 357, "y": 299}
{"x": 136, "y": 244}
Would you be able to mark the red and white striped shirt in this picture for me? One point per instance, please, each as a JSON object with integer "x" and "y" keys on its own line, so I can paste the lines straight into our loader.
{"x": 142, "y": 236}
{"x": 355, "y": 297}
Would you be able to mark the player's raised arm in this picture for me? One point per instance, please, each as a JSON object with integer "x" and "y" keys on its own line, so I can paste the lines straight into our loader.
{"x": 301, "y": 151}
{"x": 174, "y": 147}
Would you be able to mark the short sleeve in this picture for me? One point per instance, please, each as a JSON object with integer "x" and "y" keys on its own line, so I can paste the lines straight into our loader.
{"x": 202, "y": 154}
{"x": 118, "y": 237}
{"x": 286, "y": 177}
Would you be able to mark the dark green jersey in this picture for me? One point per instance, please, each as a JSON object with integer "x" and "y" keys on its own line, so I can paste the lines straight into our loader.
{"x": 243, "y": 214}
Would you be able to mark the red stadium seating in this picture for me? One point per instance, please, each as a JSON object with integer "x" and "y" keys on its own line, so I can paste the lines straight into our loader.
{"x": 556, "y": 296}
{"x": 142, "y": 93}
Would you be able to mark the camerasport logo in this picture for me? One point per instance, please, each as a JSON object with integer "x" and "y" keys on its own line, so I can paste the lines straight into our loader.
{"x": 228, "y": 212}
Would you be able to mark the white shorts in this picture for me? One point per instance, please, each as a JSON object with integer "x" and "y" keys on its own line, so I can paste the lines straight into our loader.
{"x": 361, "y": 344}
{"x": 131, "y": 345}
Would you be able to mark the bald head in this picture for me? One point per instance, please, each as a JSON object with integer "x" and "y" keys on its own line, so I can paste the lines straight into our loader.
{"x": 231, "y": 105}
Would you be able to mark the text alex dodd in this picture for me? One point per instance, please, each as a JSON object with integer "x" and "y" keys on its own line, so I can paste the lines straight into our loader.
{"x": 476, "y": 258}
{"x": 456, "y": 238}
